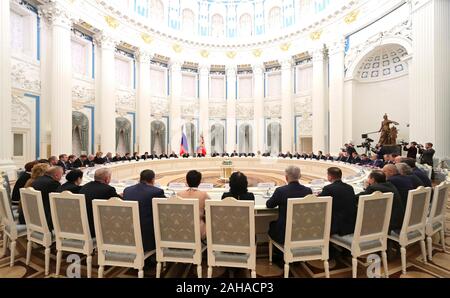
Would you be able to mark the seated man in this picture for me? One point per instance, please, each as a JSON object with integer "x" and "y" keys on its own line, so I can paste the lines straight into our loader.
{"x": 173, "y": 155}
{"x": 418, "y": 172}
{"x": 402, "y": 183}
{"x": 340, "y": 156}
{"x": 98, "y": 159}
{"x": 251, "y": 154}
{"x": 312, "y": 156}
{"x": 71, "y": 160}
{"x": 90, "y": 161}
{"x": 375, "y": 162}
{"x": 47, "y": 184}
{"x": 185, "y": 155}
{"x": 364, "y": 160}
{"x": 80, "y": 162}
{"x": 355, "y": 158}
{"x": 163, "y": 155}
{"x": 320, "y": 156}
{"x": 234, "y": 154}
{"x": 280, "y": 198}
{"x": 343, "y": 215}
{"x": 144, "y": 192}
{"x": 127, "y": 157}
{"x": 225, "y": 154}
{"x": 215, "y": 154}
{"x": 108, "y": 158}
{"x": 288, "y": 155}
{"x": 405, "y": 170}
{"x": 97, "y": 189}
{"x": 328, "y": 157}
{"x": 145, "y": 156}
{"x": 62, "y": 162}
{"x": 135, "y": 156}
{"x": 154, "y": 155}
{"x": 117, "y": 158}
{"x": 73, "y": 184}
{"x": 242, "y": 154}
{"x": 377, "y": 182}
{"x": 53, "y": 161}
{"x": 21, "y": 180}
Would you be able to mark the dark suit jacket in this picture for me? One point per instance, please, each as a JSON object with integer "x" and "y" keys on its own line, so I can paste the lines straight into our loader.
{"x": 248, "y": 196}
{"x": 20, "y": 183}
{"x": 63, "y": 165}
{"x": 343, "y": 215}
{"x": 422, "y": 176}
{"x": 46, "y": 185}
{"x": 92, "y": 191}
{"x": 426, "y": 156}
{"x": 116, "y": 159}
{"x": 69, "y": 186}
{"x": 279, "y": 198}
{"x": 398, "y": 208}
{"x": 144, "y": 194}
{"x": 99, "y": 160}
{"x": 412, "y": 152}
{"x": 403, "y": 185}
{"x": 415, "y": 181}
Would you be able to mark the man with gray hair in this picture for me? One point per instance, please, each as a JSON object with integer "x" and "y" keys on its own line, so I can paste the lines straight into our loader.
{"x": 98, "y": 189}
{"x": 405, "y": 170}
{"x": 279, "y": 199}
{"x": 402, "y": 183}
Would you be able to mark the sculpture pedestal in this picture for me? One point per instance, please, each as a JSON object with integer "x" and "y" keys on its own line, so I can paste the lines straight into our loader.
{"x": 390, "y": 149}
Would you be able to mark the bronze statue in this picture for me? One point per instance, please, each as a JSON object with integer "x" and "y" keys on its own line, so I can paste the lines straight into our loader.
{"x": 388, "y": 135}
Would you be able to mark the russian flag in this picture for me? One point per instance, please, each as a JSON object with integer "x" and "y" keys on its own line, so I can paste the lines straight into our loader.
{"x": 184, "y": 148}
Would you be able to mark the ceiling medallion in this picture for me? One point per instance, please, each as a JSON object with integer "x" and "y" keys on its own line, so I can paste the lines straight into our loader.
{"x": 231, "y": 54}
{"x": 257, "y": 52}
{"x": 112, "y": 22}
{"x": 204, "y": 53}
{"x": 146, "y": 38}
{"x": 177, "y": 48}
{"x": 285, "y": 46}
{"x": 351, "y": 17}
{"x": 316, "y": 35}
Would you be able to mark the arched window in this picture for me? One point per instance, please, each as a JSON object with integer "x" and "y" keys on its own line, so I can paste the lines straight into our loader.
{"x": 217, "y": 25}
{"x": 245, "y": 25}
{"x": 274, "y": 18}
{"x": 188, "y": 21}
{"x": 157, "y": 11}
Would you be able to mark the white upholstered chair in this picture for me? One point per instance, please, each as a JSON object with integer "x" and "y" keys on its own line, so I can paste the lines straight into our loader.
{"x": 371, "y": 229}
{"x": 413, "y": 227}
{"x": 118, "y": 235}
{"x": 230, "y": 234}
{"x": 11, "y": 230}
{"x": 308, "y": 223}
{"x": 37, "y": 226}
{"x": 436, "y": 219}
{"x": 177, "y": 232}
{"x": 71, "y": 227}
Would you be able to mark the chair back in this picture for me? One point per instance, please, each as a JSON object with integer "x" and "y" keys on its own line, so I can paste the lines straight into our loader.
{"x": 372, "y": 222}
{"x": 438, "y": 204}
{"x": 177, "y": 229}
{"x": 4, "y": 178}
{"x": 33, "y": 211}
{"x": 6, "y": 215}
{"x": 308, "y": 224}
{"x": 70, "y": 220}
{"x": 414, "y": 222}
{"x": 118, "y": 231}
{"x": 230, "y": 231}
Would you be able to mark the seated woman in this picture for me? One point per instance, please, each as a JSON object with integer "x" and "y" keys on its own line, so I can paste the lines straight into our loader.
{"x": 238, "y": 188}
{"x": 73, "y": 184}
{"x": 193, "y": 179}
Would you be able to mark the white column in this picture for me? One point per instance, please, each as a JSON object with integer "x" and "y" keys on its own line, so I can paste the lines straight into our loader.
{"x": 107, "y": 102}
{"x": 204, "y": 105}
{"x": 175, "y": 108}
{"x": 6, "y": 140}
{"x": 60, "y": 77}
{"x": 231, "y": 109}
{"x": 258, "y": 106}
{"x": 319, "y": 101}
{"x": 143, "y": 101}
{"x": 429, "y": 87}
{"x": 336, "y": 96}
{"x": 287, "y": 106}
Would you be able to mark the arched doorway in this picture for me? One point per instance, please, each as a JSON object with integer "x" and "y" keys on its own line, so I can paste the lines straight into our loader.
{"x": 245, "y": 138}
{"x": 191, "y": 137}
{"x": 217, "y": 138}
{"x": 274, "y": 138}
{"x": 123, "y": 135}
{"x": 80, "y": 133}
{"x": 158, "y": 137}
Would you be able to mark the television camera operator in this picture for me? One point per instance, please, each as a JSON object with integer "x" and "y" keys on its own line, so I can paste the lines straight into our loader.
{"x": 411, "y": 148}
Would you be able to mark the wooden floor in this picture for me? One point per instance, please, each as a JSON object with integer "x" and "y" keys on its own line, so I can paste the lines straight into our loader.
{"x": 339, "y": 267}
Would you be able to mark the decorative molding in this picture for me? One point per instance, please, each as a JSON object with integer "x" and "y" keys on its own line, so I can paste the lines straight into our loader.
{"x": 351, "y": 17}
{"x": 126, "y": 100}
{"x": 25, "y": 77}
{"x": 285, "y": 46}
{"x": 231, "y": 54}
{"x": 257, "y": 53}
{"x": 177, "y": 48}
{"x": 189, "y": 109}
{"x": 106, "y": 41}
{"x": 160, "y": 107}
{"x": 82, "y": 95}
{"x": 245, "y": 111}
{"x": 56, "y": 14}
{"x": 217, "y": 110}
{"x": 272, "y": 109}
{"x": 144, "y": 56}
{"x": 20, "y": 115}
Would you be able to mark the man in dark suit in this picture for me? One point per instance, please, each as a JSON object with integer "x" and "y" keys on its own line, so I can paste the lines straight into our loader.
{"x": 173, "y": 155}
{"x": 242, "y": 154}
{"x": 355, "y": 158}
{"x": 402, "y": 183}
{"x": 405, "y": 170}
{"x": 163, "y": 155}
{"x": 266, "y": 154}
{"x": 47, "y": 184}
{"x": 90, "y": 161}
{"x": 127, "y": 157}
{"x": 234, "y": 154}
{"x": 70, "y": 161}
{"x": 350, "y": 149}
{"x": 80, "y": 162}
{"x": 377, "y": 182}
{"x": 97, "y": 189}
{"x": 145, "y": 156}
{"x": 144, "y": 192}
{"x": 418, "y": 172}
{"x": 225, "y": 154}
{"x": 185, "y": 155}
{"x": 62, "y": 162}
{"x": 340, "y": 157}
{"x": 251, "y": 154}
{"x": 117, "y": 158}
{"x": 320, "y": 156}
{"x": 108, "y": 158}
{"x": 329, "y": 157}
{"x": 53, "y": 161}
{"x": 375, "y": 162}
{"x": 215, "y": 154}
{"x": 22, "y": 180}
{"x": 412, "y": 150}
{"x": 280, "y": 198}
{"x": 343, "y": 216}
{"x": 426, "y": 156}
{"x": 154, "y": 155}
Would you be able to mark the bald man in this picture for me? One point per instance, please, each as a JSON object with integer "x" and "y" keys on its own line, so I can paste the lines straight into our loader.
{"x": 98, "y": 189}
{"x": 402, "y": 183}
